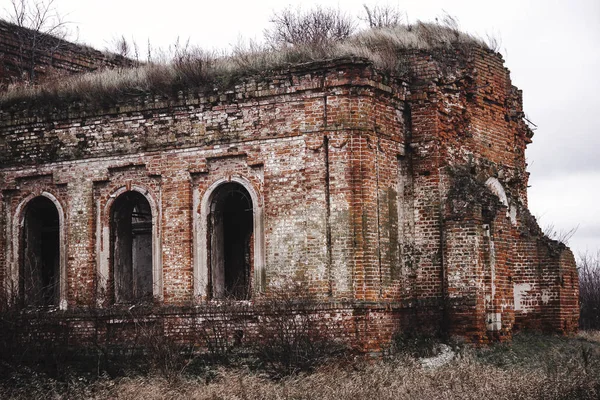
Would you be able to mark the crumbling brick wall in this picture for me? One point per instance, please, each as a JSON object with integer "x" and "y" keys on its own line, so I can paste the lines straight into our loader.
{"x": 21, "y": 59}
{"x": 407, "y": 195}
{"x": 480, "y": 139}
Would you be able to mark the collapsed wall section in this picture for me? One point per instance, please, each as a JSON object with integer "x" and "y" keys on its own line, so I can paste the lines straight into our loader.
{"x": 475, "y": 124}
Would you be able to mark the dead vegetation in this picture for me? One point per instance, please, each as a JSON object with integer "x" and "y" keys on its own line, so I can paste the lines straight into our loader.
{"x": 41, "y": 29}
{"x": 382, "y": 16}
{"x": 278, "y": 335}
{"x": 589, "y": 290}
{"x": 532, "y": 367}
{"x": 295, "y": 37}
{"x": 293, "y": 356}
{"x": 316, "y": 27}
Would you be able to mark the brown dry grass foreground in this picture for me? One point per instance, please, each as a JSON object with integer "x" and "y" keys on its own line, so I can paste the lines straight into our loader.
{"x": 531, "y": 367}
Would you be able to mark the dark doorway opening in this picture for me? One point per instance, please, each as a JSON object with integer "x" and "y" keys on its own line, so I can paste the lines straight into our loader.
{"x": 131, "y": 248}
{"x": 231, "y": 238}
{"x": 40, "y": 254}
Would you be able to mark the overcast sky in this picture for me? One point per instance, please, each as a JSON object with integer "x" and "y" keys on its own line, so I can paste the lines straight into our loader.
{"x": 551, "y": 47}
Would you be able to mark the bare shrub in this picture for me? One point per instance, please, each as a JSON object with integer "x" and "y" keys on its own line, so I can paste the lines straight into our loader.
{"x": 162, "y": 353}
{"x": 21, "y": 345}
{"x": 314, "y": 27}
{"x": 125, "y": 48}
{"x": 121, "y": 46}
{"x": 560, "y": 235}
{"x": 589, "y": 290}
{"x": 382, "y": 16}
{"x": 292, "y": 336}
{"x": 220, "y": 327}
{"x": 45, "y": 31}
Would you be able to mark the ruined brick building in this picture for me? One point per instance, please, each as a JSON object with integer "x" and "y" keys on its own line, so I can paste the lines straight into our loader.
{"x": 400, "y": 202}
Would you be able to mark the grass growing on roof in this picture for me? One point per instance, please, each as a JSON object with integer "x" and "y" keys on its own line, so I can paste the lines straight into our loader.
{"x": 192, "y": 68}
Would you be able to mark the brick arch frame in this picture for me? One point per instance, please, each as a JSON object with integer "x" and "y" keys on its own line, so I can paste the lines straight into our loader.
{"x": 17, "y": 230}
{"x": 103, "y": 234}
{"x": 202, "y": 204}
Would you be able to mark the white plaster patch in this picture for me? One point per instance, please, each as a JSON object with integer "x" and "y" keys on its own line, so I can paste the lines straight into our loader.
{"x": 520, "y": 291}
{"x": 496, "y": 187}
{"x": 494, "y": 321}
{"x": 545, "y": 296}
{"x": 513, "y": 214}
{"x": 493, "y": 267}
{"x": 488, "y": 300}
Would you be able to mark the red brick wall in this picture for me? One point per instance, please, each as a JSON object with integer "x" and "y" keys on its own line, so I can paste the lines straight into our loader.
{"x": 50, "y": 58}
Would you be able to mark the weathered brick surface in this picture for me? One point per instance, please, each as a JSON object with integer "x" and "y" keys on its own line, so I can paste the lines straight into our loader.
{"x": 26, "y": 54}
{"x": 403, "y": 200}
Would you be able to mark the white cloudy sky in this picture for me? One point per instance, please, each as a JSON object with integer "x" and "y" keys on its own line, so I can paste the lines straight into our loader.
{"x": 551, "y": 47}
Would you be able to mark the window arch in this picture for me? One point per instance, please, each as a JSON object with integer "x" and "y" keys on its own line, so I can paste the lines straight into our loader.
{"x": 229, "y": 241}
{"x": 128, "y": 247}
{"x": 131, "y": 248}
{"x": 39, "y": 251}
{"x": 230, "y": 230}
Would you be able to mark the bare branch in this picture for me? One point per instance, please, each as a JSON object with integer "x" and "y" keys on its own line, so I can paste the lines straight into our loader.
{"x": 588, "y": 265}
{"x": 560, "y": 235}
{"x": 314, "y": 27}
{"x": 44, "y": 32}
{"x": 382, "y": 16}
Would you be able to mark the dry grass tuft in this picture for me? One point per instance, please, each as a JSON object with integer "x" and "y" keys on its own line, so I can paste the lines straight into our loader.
{"x": 590, "y": 335}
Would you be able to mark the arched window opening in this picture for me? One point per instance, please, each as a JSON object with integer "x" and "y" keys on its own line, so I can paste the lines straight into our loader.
{"x": 231, "y": 242}
{"x": 40, "y": 254}
{"x": 131, "y": 248}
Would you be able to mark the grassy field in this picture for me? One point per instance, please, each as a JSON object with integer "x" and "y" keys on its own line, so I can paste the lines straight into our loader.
{"x": 531, "y": 367}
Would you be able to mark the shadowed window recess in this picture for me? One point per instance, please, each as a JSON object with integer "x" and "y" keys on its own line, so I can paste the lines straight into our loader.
{"x": 40, "y": 254}
{"x": 131, "y": 248}
{"x": 230, "y": 242}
